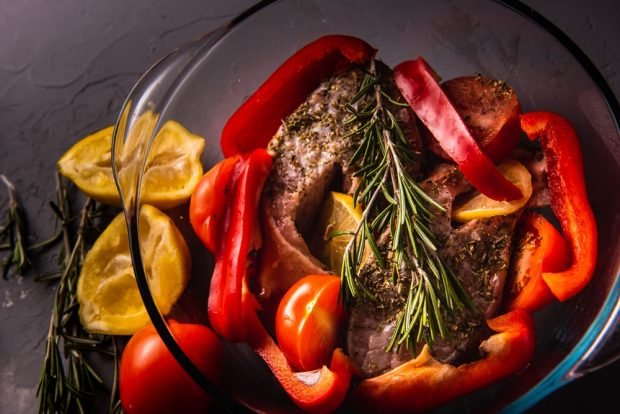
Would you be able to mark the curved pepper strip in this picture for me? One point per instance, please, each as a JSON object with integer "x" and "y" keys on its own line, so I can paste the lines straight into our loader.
{"x": 569, "y": 199}
{"x": 424, "y": 383}
{"x": 229, "y": 297}
{"x": 541, "y": 248}
{"x": 233, "y": 307}
{"x": 319, "y": 391}
{"x": 425, "y": 96}
{"x": 258, "y": 118}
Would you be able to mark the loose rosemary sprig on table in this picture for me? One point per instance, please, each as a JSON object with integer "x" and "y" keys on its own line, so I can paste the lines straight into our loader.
{"x": 13, "y": 235}
{"x": 392, "y": 201}
{"x": 67, "y": 379}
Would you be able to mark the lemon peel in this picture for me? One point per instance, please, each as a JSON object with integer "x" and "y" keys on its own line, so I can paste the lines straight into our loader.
{"x": 481, "y": 206}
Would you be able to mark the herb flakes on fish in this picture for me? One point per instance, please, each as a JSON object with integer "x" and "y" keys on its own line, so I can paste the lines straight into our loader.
{"x": 394, "y": 203}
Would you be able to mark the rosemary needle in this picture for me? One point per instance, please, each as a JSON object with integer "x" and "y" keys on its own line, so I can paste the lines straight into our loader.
{"x": 393, "y": 203}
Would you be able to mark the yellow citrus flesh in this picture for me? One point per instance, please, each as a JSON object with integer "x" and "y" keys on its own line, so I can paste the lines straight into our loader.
{"x": 89, "y": 165}
{"x": 172, "y": 171}
{"x": 174, "y": 167}
{"x": 337, "y": 215}
{"x": 481, "y": 206}
{"x": 107, "y": 291}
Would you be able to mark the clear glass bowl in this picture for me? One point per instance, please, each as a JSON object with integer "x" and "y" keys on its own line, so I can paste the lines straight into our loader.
{"x": 202, "y": 83}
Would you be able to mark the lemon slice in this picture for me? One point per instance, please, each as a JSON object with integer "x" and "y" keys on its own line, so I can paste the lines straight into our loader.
{"x": 481, "y": 206}
{"x": 172, "y": 171}
{"x": 338, "y": 216}
{"x": 107, "y": 291}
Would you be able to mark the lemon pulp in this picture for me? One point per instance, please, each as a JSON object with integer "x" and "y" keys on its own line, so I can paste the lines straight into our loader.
{"x": 337, "y": 220}
{"x": 107, "y": 291}
{"x": 172, "y": 171}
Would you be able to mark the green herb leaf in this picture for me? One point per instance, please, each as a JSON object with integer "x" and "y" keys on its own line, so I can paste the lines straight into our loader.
{"x": 67, "y": 382}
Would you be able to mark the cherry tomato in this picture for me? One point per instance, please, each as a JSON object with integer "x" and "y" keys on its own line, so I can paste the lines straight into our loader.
{"x": 309, "y": 321}
{"x": 206, "y": 208}
{"x": 151, "y": 380}
{"x": 541, "y": 248}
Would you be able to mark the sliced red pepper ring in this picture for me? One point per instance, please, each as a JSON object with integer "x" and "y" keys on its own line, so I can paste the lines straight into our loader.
{"x": 540, "y": 248}
{"x": 490, "y": 109}
{"x": 424, "y": 383}
{"x": 229, "y": 295}
{"x": 258, "y": 118}
{"x": 419, "y": 88}
{"x": 233, "y": 307}
{"x": 569, "y": 199}
{"x": 319, "y": 391}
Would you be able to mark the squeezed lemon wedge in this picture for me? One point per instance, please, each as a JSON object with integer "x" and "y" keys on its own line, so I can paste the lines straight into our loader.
{"x": 337, "y": 218}
{"x": 107, "y": 290}
{"x": 172, "y": 171}
{"x": 481, "y": 206}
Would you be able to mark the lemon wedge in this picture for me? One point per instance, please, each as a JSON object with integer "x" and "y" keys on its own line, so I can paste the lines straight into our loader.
{"x": 337, "y": 218}
{"x": 107, "y": 290}
{"x": 172, "y": 170}
{"x": 481, "y": 206}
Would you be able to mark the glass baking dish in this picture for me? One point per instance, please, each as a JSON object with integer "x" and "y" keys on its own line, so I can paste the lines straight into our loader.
{"x": 202, "y": 83}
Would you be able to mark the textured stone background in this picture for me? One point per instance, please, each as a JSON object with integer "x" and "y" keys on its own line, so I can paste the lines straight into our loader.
{"x": 60, "y": 78}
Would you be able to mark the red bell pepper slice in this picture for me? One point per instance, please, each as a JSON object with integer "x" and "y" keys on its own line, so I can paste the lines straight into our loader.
{"x": 229, "y": 296}
{"x": 318, "y": 391}
{"x": 424, "y": 383}
{"x": 541, "y": 248}
{"x": 569, "y": 199}
{"x": 232, "y": 306}
{"x": 420, "y": 89}
{"x": 258, "y": 118}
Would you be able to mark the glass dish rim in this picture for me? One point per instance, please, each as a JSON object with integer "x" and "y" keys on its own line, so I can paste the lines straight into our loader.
{"x": 558, "y": 376}
{"x": 599, "y": 328}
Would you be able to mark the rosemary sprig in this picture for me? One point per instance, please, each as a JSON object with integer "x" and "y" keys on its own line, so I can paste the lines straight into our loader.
{"x": 394, "y": 203}
{"x": 13, "y": 235}
{"x": 13, "y": 232}
{"x": 68, "y": 381}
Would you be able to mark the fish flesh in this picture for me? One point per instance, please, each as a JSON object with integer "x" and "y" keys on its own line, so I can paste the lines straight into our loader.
{"x": 311, "y": 151}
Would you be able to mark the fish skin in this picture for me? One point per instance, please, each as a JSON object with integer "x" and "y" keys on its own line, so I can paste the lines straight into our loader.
{"x": 309, "y": 154}
{"x": 311, "y": 151}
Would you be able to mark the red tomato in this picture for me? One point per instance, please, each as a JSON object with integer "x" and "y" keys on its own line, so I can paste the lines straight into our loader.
{"x": 206, "y": 208}
{"x": 309, "y": 321}
{"x": 541, "y": 248}
{"x": 151, "y": 380}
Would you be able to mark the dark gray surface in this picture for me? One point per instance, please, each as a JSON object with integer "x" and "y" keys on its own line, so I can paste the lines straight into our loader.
{"x": 65, "y": 67}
